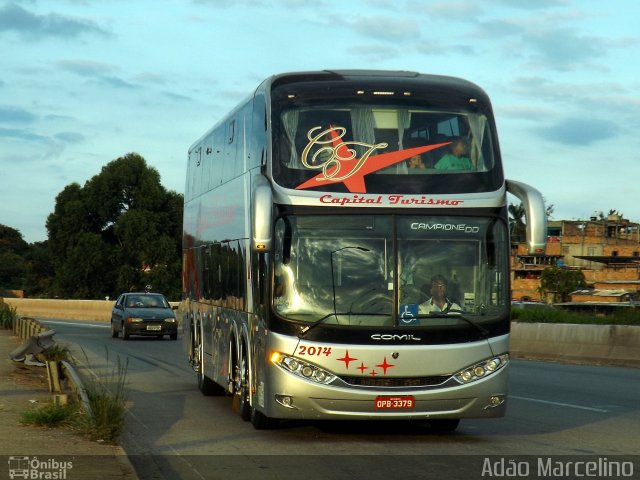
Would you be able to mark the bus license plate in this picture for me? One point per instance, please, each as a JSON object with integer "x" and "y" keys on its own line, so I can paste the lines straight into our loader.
{"x": 405, "y": 402}
{"x": 155, "y": 328}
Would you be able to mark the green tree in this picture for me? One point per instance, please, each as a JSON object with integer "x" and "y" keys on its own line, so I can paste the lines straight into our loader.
{"x": 40, "y": 271}
{"x": 119, "y": 232}
{"x": 517, "y": 227}
{"x": 560, "y": 282}
{"x": 13, "y": 265}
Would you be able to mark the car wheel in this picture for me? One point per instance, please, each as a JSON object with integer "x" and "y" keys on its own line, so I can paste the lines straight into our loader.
{"x": 114, "y": 332}
{"x": 125, "y": 333}
{"x": 173, "y": 336}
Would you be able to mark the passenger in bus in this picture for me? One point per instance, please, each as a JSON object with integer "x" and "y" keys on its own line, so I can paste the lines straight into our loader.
{"x": 416, "y": 162}
{"x": 438, "y": 301}
{"x": 279, "y": 293}
{"x": 455, "y": 159}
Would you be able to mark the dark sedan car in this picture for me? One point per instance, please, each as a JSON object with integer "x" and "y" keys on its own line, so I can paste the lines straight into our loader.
{"x": 143, "y": 314}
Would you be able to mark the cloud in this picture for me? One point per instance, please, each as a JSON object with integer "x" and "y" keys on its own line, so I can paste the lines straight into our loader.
{"x": 375, "y": 52}
{"x": 549, "y": 41}
{"x": 579, "y": 131}
{"x": 460, "y": 10}
{"x": 99, "y": 71}
{"x": 20, "y": 134}
{"x": 380, "y": 27}
{"x": 564, "y": 48}
{"x": 69, "y": 137}
{"x": 15, "y": 115}
{"x": 286, "y": 4}
{"x": 29, "y": 25}
{"x": 177, "y": 97}
{"x": 431, "y": 48}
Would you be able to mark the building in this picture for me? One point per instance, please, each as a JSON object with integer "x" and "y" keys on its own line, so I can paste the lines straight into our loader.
{"x": 605, "y": 249}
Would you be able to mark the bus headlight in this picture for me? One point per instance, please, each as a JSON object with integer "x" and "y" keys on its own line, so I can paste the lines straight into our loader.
{"x": 482, "y": 369}
{"x": 302, "y": 368}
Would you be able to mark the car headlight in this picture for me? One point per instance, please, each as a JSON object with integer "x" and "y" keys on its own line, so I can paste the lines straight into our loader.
{"x": 302, "y": 368}
{"x": 170, "y": 320}
{"x": 134, "y": 320}
{"x": 482, "y": 369}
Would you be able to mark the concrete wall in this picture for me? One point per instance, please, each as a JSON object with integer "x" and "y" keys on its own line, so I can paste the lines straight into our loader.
{"x": 599, "y": 344}
{"x": 69, "y": 309}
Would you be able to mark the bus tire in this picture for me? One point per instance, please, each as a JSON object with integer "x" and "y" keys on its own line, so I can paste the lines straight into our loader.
{"x": 242, "y": 386}
{"x": 261, "y": 422}
{"x": 444, "y": 425}
{"x": 206, "y": 386}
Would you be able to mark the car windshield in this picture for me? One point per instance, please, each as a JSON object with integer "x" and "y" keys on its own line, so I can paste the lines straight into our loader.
{"x": 146, "y": 301}
{"x": 381, "y": 270}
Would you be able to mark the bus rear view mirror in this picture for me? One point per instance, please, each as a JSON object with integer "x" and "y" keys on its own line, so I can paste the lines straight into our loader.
{"x": 261, "y": 215}
{"x": 535, "y": 213}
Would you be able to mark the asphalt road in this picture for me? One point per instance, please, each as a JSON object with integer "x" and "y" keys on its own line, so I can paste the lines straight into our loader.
{"x": 557, "y": 413}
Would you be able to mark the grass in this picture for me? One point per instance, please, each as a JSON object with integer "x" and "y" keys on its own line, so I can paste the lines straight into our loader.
{"x": 8, "y": 316}
{"x": 51, "y": 415}
{"x": 56, "y": 353}
{"x": 544, "y": 314}
{"x": 102, "y": 419}
{"x": 107, "y": 402}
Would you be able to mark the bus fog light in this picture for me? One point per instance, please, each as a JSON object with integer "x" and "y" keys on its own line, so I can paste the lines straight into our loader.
{"x": 495, "y": 401}
{"x": 285, "y": 400}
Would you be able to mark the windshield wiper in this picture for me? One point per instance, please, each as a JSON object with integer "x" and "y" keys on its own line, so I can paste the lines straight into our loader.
{"x": 306, "y": 329}
{"x": 315, "y": 324}
{"x": 458, "y": 314}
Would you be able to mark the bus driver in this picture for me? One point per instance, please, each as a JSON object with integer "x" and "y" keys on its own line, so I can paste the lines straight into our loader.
{"x": 438, "y": 301}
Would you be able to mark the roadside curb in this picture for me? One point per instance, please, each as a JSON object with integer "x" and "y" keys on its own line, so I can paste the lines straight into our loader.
{"x": 26, "y": 327}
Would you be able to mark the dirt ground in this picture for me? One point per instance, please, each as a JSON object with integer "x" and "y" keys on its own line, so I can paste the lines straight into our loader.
{"x": 41, "y": 449}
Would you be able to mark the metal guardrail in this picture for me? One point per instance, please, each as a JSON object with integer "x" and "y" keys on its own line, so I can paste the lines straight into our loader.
{"x": 77, "y": 386}
{"x": 31, "y": 330}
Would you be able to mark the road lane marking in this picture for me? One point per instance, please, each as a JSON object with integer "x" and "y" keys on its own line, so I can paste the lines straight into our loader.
{"x": 559, "y": 404}
{"x": 76, "y": 324}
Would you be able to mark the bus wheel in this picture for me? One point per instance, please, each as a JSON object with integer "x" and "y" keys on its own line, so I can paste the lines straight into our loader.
{"x": 242, "y": 387}
{"x": 261, "y": 422}
{"x": 444, "y": 425}
{"x": 207, "y": 386}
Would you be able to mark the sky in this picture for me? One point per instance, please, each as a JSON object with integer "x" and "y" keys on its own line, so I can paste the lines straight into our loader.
{"x": 84, "y": 82}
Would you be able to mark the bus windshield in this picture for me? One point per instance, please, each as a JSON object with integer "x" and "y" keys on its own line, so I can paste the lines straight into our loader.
{"x": 390, "y": 271}
{"x": 365, "y": 147}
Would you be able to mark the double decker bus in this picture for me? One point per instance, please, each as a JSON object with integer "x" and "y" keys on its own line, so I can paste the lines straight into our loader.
{"x": 346, "y": 251}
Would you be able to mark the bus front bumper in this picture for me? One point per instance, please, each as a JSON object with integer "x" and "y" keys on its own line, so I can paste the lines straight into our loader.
{"x": 298, "y": 399}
